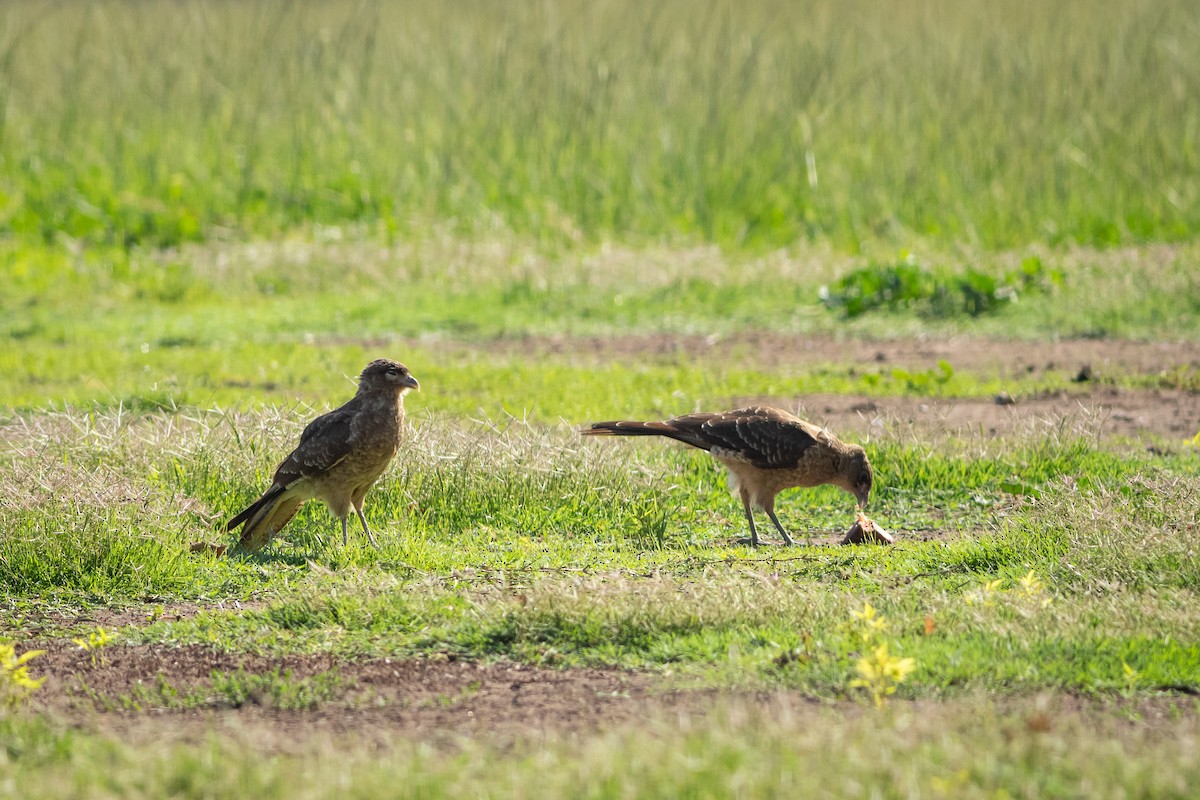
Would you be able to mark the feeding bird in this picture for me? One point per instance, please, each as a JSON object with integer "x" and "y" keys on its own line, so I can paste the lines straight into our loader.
{"x": 766, "y": 450}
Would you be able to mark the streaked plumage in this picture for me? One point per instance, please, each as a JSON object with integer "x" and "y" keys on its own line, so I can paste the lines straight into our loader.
{"x": 766, "y": 450}
{"x": 340, "y": 456}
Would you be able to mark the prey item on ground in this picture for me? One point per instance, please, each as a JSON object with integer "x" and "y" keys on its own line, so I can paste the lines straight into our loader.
{"x": 866, "y": 531}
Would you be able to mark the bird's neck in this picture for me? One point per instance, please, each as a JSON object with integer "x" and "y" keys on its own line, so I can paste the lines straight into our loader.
{"x": 840, "y": 449}
{"x": 843, "y": 456}
{"x": 382, "y": 396}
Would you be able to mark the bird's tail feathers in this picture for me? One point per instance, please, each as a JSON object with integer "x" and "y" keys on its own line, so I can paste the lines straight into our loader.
{"x": 633, "y": 428}
{"x": 254, "y": 507}
{"x": 264, "y": 518}
{"x": 270, "y": 519}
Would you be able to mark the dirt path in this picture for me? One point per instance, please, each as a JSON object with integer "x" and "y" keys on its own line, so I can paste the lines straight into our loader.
{"x": 1162, "y": 417}
{"x": 774, "y": 350}
{"x": 438, "y": 702}
{"x": 372, "y": 699}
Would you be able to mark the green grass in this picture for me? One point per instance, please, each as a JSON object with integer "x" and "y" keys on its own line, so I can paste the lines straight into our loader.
{"x": 94, "y": 331}
{"x": 472, "y": 510}
{"x": 1031, "y": 750}
{"x": 277, "y": 689}
{"x": 986, "y": 123}
{"x": 507, "y": 537}
{"x": 512, "y": 540}
{"x": 466, "y": 383}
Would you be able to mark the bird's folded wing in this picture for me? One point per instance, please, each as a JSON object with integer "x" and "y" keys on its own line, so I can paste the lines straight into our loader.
{"x": 326, "y": 442}
{"x": 765, "y": 442}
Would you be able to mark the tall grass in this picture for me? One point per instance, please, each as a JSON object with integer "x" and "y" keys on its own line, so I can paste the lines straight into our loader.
{"x": 157, "y": 122}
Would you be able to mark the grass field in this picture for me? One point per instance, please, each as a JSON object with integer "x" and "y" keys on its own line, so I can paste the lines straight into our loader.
{"x": 756, "y": 126}
{"x": 213, "y": 214}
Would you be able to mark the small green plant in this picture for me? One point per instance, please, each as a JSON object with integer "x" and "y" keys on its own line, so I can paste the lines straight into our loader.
{"x": 926, "y": 381}
{"x": 650, "y": 522}
{"x": 881, "y": 672}
{"x": 909, "y": 286}
{"x": 94, "y": 643}
{"x": 15, "y": 681}
{"x": 276, "y": 689}
{"x": 451, "y": 700}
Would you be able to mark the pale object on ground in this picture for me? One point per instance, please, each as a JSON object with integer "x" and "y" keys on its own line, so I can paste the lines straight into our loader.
{"x": 866, "y": 531}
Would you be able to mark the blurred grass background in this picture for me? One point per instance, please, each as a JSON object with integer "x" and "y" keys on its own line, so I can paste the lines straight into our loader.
{"x": 194, "y": 195}
{"x": 750, "y": 125}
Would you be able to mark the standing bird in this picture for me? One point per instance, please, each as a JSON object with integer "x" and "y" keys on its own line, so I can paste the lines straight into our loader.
{"x": 340, "y": 455}
{"x": 766, "y": 450}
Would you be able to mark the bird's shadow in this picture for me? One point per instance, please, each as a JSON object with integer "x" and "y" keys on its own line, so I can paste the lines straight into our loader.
{"x": 268, "y": 555}
{"x": 300, "y": 550}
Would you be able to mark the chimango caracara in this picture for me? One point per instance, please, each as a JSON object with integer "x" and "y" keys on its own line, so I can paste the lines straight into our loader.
{"x": 766, "y": 451}
{"x": 340, "y": 455}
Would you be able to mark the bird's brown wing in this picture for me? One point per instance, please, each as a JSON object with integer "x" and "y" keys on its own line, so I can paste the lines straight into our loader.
{"x": 767, "y": 438}
{"x": 325, "y": 442}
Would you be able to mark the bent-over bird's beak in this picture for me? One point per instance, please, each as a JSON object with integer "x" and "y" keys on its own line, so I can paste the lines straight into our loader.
{"x": 862, "y": 497}
{"x": 410, "y": 382}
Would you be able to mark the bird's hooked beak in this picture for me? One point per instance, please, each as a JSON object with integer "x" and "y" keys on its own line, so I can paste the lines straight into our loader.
{"x": 862, "y": 498}
{"x": 409, "y": 382}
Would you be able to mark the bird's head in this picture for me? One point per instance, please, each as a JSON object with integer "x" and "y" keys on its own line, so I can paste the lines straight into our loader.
{"x": 856, "y": 472}
{"x": 383, "y": 372}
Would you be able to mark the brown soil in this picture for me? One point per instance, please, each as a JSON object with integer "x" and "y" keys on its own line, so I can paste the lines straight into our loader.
{"x": 776, "y": 350}
{"x": 1092, "y": 406}
{"x": 434, "y": 701}
{"x": 374, "y": 700}
{"x": 1163, "y": 418}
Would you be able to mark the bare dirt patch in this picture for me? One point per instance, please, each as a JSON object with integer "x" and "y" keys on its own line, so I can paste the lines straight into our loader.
{"x": 1151, "y": 415}
{"x": 1096, "y": 407}
{"x": 445, "y": 702}
{"x": 773, "y": 350}
{"x": 373, "y": 700}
